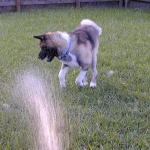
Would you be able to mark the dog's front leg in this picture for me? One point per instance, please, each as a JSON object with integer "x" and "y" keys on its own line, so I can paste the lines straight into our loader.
{"x": 62, "y": 75}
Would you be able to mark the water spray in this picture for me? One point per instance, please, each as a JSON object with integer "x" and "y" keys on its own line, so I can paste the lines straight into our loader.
{"x": 40, "y": 102}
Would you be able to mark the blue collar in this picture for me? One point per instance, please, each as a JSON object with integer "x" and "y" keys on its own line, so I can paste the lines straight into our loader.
{"x": 65, "y": 56}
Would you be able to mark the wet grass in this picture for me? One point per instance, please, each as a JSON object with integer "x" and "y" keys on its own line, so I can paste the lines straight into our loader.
{"x": 113, "y": 116}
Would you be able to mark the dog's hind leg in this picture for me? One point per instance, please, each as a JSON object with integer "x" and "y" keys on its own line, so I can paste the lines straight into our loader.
{"x": 62, "y": 75}
{"x": 93, "y": 83}
{"x": 81, "y": 78}
{"x": 85, "y": 82}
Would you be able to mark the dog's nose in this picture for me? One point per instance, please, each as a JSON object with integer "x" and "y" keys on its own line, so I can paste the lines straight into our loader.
{"x": 42, "y": 55}
{"x": 41, "y": 58}
{"x": 48, "y": 60}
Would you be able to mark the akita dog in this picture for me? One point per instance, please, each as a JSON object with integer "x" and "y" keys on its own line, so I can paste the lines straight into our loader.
{"x": 74, "y": 49}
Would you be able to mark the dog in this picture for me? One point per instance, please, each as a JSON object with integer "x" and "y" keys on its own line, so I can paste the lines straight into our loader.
{"x": 74, "y": 49}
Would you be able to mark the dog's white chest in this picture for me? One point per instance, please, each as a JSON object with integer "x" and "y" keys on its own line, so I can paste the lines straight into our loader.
{"x": 73, "y": 62}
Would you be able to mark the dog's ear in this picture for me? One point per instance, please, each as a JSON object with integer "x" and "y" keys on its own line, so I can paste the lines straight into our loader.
{"x": 40, "y": 37}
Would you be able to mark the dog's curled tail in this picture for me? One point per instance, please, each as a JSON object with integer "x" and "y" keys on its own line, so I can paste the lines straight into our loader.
{"x": 92, "y": 23}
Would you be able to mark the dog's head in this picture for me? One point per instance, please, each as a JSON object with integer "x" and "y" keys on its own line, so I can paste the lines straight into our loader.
{"x": 48, "y": 49}
{"x": 51, "y": 45}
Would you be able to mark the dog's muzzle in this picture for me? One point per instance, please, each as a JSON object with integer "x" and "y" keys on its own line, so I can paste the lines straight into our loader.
{"x": 49, "y": 53}
{"x": 42, "y": 55}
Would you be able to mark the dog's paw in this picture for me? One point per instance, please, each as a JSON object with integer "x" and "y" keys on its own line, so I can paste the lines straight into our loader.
{"x": 93, "y": 85}
{"x": 81, "y": 84}
{"x": 78, "y": 83}
{"x": 85, "y": 83}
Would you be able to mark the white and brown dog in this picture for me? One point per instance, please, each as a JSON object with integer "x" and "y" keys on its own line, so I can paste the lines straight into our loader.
{"x": 75, "y": 49}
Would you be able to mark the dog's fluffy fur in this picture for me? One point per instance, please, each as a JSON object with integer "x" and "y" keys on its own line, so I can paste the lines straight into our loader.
{"x": 75, "y": 49}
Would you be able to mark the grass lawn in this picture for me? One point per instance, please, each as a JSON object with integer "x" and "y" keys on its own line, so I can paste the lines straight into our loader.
{"x": 116, "y": 115}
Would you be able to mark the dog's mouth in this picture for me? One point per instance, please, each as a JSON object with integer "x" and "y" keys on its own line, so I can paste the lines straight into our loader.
{"x": 49, "y": 53}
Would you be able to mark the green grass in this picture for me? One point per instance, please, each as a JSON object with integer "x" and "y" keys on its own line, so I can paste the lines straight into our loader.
{"x": 116, "y": 115}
